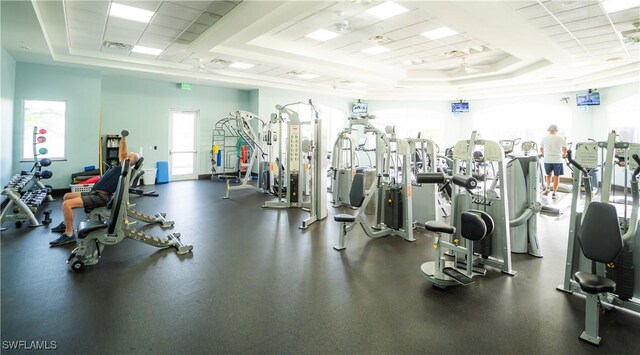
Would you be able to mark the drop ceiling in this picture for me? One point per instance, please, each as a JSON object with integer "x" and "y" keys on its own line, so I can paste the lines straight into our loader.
{"x": 499, "y": 47}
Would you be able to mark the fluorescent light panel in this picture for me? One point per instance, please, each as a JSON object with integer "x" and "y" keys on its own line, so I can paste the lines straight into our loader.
{"x": 356, "y": 84}
{"x": 323, "y": 35}
{"x": 619, "y": 5}
{"x": 386, "y": 10}
{"x": 146, "y": 50}
{"x": 375, "y": 50}
{"x": 130, "y": 13}
{"x": 241, "y": 65}
{"x": 438, "y": 33}
{"x": 307, "y": 76}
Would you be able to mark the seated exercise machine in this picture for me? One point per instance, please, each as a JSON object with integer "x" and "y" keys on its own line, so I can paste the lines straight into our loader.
{"x": 473, "y": 226}
{"x": 103, "y": 213}
{"x": 394, "y": 207}
{"x": 494, "y": 248}
{"x": 94, "y": 235}
{"x": 299, "y": 164}
{"x": 600, "y": 260}
{"x": 25, "y": 192}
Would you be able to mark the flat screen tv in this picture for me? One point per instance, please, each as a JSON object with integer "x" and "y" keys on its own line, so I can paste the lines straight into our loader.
{"x": 359, "y": 109}
{"x": 588, "y": 99}
{"x": 459, "y": 107}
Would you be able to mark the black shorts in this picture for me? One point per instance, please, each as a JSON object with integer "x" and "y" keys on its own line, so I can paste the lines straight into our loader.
{"x": 94, "y": 199}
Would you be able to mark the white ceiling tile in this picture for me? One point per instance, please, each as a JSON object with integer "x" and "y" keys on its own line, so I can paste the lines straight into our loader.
{"x": 144, "y": 4}
{"x": 197, "y": 28}
{"x": 120, "y": 35}
{"x": 162, "y": 31}
{"x": 84, "y": 15}
{"x": 581, "y": 13}
{"x": 532, "y": 12}
{"x": 169, "y": 21}
{"x": 93, "y": 6}
{"x": 222, "y": 7}
{"x": 208, "y": 19}
{"x": 587, "y": 23}
{"x": 196, "y": 5}
{"x": 126, "y": 25}
{"x": 84, "y": 26}
{"x": 177, "y": 10}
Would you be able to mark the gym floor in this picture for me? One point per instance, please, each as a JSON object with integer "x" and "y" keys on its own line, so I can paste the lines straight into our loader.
{"x": 255, "y": 283}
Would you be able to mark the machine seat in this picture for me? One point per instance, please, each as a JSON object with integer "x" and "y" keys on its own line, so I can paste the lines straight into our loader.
{"x": 344, "y": 218}
{"x": 594, "y": 284}
{"x": 439, "y": 227}
{"x": 89, "y": 226}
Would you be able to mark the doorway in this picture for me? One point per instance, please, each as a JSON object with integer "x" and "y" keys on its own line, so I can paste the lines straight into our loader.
{"x": 182, "y": 145}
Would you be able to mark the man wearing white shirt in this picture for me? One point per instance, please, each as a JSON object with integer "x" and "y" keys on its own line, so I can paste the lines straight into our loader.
{"x": 554, "y": 149}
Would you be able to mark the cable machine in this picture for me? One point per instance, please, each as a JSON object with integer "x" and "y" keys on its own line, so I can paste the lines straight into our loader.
{"x": 299, "y": 166}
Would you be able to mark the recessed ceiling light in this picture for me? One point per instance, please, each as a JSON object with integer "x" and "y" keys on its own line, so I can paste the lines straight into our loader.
{"x": 241, "y": 65}
{"x": 322, "y": 35}
{"x": 438, "y": 33}
{"x": 619, "y": 5}
{"x": 130, "y": 13}
{"x": 146, "y": 50}
{"x": 386, "y": 10}
{"x": 375, "y": 50}
{"x": 307, "y": 76}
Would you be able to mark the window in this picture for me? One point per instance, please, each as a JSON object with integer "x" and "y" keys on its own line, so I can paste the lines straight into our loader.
{"x": 50, "y": 117}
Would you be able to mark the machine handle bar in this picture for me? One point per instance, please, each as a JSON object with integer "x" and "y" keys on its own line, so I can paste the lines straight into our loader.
{"x": 637, "y": 159}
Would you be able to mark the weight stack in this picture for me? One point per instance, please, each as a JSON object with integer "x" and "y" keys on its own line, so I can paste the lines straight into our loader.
{"x": 622, "y": 272}
{"x": 484, "y": 246}
{"x": 393, "y": 208}
{"x": 293, "y": 188}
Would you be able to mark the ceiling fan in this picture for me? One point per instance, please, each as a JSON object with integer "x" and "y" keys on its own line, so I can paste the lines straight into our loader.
{"x": 204, "y": 65}
{"x": 467, "y": 68}
{"x": 342, "y": 24}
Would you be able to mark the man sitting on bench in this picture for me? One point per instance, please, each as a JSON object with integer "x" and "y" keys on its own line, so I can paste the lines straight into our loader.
{"x": 99, "y": 196}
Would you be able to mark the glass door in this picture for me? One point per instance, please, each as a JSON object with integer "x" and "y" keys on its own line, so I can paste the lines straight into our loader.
{"x": 182, "y": 143}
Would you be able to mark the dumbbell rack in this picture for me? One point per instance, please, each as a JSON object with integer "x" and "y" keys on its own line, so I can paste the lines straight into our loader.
{"x": 26, "y": 193}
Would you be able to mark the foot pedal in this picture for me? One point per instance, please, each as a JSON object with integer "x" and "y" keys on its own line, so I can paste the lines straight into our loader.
{"x": 477, "y": 269}
{"x": 458, "y": 276}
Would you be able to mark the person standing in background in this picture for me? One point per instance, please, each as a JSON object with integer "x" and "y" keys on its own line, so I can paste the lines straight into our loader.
{"x": 554, "y": 149}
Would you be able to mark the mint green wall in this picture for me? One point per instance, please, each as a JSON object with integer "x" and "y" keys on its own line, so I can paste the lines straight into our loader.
{"x": 80, "y": 88}
{"x": 142, "y": 106}
{"x": 8, "y": 80}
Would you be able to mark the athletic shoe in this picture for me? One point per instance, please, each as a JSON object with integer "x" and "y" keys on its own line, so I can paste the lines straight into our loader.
{"x": 60, "y": 228}
{"x": 554, "y": 196}
{"x": 546, "y": 192}
{"x": 64, "y": 239}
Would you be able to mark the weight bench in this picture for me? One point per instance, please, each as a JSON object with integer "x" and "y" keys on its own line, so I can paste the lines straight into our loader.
{"x": 103, "y": 213}
{"x": 94, "y": 235}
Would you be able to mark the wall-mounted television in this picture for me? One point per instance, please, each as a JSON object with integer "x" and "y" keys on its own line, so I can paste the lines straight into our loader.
{"x": 459, "y": 107}
{"x": 359, "y": 109}
{"x": 588, "y": 99}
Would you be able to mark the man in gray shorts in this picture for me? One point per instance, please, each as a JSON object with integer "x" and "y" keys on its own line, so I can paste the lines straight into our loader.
{"x": 554, "y": 149}
{"x": 99, "y": 196}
